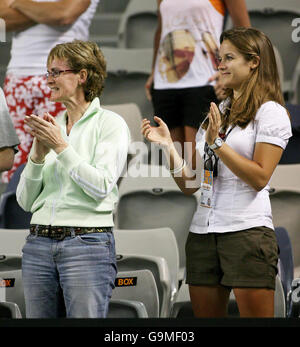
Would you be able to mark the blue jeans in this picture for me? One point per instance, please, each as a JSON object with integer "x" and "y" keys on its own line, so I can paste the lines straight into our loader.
{"x": 82, "y": 268}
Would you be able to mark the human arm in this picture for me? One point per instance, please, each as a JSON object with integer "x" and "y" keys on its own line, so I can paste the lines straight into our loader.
{"x": 6, "y": 158}
{"x": 14, "y": 19}
{"x": 8, "y": 136}
{"x": 257, "y": 171}
{"x": 186, "y": 179}
{"x": 155, "y": 49}
{"x": 62, "y": 12}
{"x": 30, "y": 183}
{"x": 238, "y": 12}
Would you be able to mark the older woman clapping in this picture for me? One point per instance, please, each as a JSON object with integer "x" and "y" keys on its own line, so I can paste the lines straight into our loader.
{"x": 69, "y": 184}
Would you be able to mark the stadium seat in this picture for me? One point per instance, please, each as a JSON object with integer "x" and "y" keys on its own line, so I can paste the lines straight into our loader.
{"x": 122, "y": 60}
{"x": 155, "y": 201}
{"x": 127, "y": 87}
{"x": 285, "y": 210}
{"x": 138, "y": 285}
{"x": 291, "y": 153}
{"x": 137, "y": 25}
{"x": 286, "y": 261}
{"x": 296, "y": 84}
{"x": 9, "y": 310}
{"x": 11, "y": 274}
{"x": 12, "y": 241}
{"x": 285, "y": 177}
{"x": 132, "y": 115}
{"x": 160, "y": 270}
{"x": 12, "y": 216}
{"x": 126, "y": 309}
{"x": 159, "y": 242}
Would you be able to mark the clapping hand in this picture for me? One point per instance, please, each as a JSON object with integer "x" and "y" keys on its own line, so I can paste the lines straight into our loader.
{"x": 159, "y": 135}
{"x": 214, "y": 125}
{"x": 47, "y": 133}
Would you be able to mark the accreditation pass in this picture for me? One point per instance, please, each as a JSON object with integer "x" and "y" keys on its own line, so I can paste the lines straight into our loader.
{"x": 206, "y": 188}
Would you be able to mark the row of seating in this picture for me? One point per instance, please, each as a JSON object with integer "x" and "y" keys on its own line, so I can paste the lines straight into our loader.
{"x": 147, "y": 284}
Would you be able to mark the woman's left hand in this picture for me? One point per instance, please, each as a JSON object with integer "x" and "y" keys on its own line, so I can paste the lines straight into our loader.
{"x": 47, "y": 131}
{"x": 214, "y": 125}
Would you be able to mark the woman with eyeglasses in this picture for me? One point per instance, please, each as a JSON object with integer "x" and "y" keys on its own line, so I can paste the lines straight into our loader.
{"x": 70, "y": 186}
{"x": 232, "y": 244}
{"x": 35, "y": 27}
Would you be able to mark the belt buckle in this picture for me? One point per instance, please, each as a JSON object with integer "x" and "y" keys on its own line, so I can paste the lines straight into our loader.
{"x": 60, "y": 237}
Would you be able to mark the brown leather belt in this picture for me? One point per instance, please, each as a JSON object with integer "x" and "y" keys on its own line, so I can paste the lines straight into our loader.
{"x": 59, "y": 233}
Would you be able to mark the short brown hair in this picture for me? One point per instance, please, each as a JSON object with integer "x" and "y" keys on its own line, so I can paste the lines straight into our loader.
{"x": 83, "y": 55}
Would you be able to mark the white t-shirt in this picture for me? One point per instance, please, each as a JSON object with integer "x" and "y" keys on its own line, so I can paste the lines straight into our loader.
{"x": 30, "y": 47}
{"x": 189, "y": 44}
{"x": 235, "y": 204}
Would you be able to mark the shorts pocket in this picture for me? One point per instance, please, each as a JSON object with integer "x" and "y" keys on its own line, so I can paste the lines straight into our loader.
{"x": 269, "y": 247}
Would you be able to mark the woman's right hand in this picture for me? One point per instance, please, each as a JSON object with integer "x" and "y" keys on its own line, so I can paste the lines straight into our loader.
{"x": 159, "y": 135}
{"x": 148, "y": 86}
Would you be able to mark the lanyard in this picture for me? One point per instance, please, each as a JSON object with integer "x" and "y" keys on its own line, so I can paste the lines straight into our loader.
{"x": 210, "y": 158}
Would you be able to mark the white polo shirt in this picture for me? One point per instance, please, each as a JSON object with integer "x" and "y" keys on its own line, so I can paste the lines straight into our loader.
{"x": 236, "y": 205}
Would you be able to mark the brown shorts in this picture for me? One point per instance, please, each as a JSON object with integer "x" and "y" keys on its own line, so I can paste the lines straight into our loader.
{"x": 246, "y": 258}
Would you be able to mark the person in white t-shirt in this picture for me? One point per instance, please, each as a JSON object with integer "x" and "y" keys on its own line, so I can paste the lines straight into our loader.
{"x": 37, "y": 26}
{"x": 186, "y": 59}
{"x": 232, "y": 243}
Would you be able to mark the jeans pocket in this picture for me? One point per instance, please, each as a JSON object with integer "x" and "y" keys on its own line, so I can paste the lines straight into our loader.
{"x": 94, "y": 239}
{"x": 30, "y": 237}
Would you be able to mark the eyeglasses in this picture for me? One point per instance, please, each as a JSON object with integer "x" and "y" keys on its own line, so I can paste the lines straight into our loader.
{"x": 56, "y": 73}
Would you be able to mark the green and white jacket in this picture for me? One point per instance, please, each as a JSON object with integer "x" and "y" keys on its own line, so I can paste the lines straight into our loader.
{"x": 78, "y": 187}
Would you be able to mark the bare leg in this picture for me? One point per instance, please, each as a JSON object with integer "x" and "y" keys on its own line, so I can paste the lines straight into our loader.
{"x": 177, "y": 135}
{"x": 209, "y": 301}
{"x": 255, "y": 302}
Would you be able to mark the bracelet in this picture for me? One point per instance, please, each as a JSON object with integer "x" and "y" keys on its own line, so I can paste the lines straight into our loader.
{"x": 178, "y": 169}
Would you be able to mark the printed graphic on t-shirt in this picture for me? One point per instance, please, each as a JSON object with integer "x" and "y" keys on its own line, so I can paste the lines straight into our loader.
{"x": 176, "y": 55}
{"x": 211, "y": 50}
{"x": 177, "y": 52}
